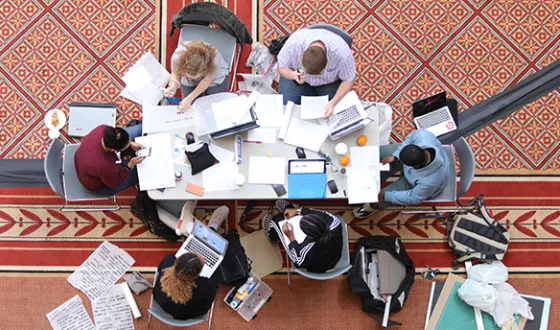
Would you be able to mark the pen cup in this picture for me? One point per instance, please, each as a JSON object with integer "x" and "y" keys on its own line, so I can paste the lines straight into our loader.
{"x": 239, "y": 179}
{"x": 341, "y": 149}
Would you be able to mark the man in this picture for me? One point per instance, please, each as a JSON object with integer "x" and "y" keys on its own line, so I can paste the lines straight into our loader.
{"x": 316, "y": 62}
{"x": 424, "y": 171}
{"x": 97, "y": 164}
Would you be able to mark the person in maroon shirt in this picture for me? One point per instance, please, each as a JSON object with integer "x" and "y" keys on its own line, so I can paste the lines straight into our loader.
{"x": 97, "y": 164}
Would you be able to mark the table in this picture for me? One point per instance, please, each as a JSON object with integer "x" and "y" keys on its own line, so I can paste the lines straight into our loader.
{"x": 280, "y": 149}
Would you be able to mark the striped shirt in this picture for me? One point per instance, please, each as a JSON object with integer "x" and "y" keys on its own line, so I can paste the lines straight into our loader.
{"x": 222, "y": 68}
{"x": 340, "y": 62}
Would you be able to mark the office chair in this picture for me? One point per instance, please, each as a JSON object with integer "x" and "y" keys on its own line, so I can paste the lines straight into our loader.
{"x": 336, "y": 30}
{"x": 63, "y": 179}
{"x": 156, "y": 310}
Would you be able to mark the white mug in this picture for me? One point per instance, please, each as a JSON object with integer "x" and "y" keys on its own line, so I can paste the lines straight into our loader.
{"x": 239, "y": 179}
{"x": 341, "y": 149}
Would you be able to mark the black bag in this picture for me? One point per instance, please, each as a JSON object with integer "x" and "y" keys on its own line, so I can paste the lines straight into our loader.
{"x": 276, "y": 45}
{"x": 145, "y": 209}
{"x": 235, "y": 268}
{"x": 394, "y": 246}
{"x": 201, "y": 159}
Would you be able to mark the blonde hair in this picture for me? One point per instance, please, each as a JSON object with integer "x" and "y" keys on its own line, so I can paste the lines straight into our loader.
{"x": 197, "y": 59}
{"x": 178, "y": 280}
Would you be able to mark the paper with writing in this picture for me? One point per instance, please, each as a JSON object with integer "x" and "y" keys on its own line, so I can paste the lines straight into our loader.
{"x": 299, "y": 235}
{"x": 164, "y": 118}
{"x": 111, "y": 311}
{"x": 267, "y": 170}
{"x": 313, "y": 107}
{"x": 361, "y": 184}
{"x": 157, "y": 170}
{"x": 306, "y": 134}
{"x": 71, "y": 315}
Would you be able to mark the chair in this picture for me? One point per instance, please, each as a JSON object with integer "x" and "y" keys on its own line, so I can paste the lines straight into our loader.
{"x": 63, "y": 179}
{"x": 156, "y": 310}
{"x": 224, "y": 42}
{"x": 336, "y": 30}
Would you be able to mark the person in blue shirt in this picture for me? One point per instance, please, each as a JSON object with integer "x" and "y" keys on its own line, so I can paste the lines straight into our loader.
{"x": 424, "y": 171}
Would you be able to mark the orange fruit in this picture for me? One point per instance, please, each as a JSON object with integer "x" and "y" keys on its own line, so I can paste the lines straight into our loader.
{"x": 344, "y": 160}
{"x": 362, "y": 140}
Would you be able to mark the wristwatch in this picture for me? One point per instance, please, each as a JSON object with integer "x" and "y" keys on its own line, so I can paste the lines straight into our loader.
{"x": 298, "y": 210}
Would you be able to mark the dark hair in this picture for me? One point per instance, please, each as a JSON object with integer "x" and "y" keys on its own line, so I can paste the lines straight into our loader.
{"x": 314, "y": 60}
{"x": 188, "y": 265}
{"x": 313, "y": 226}
{"x": 412, "y": 155}
{"x": 115, "y": 138}
{"x": 178, "y": 281}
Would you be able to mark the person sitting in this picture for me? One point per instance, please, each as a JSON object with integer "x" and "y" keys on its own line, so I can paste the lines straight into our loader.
{"x": 424, "y": 171}
{"x": 186, "y": 220}
{"x": 316, "y": 62}
{"x": 179, "y": 289}
{"x": 322, "y": 248}
{"x": 98, "y": 166}
{"x": 197, "y": 68}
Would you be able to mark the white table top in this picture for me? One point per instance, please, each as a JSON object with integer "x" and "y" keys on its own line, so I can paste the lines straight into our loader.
{"x": 279, "y": 149}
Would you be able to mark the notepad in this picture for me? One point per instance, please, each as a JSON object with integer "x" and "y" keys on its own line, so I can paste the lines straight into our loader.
{"x": 299, "y": 235}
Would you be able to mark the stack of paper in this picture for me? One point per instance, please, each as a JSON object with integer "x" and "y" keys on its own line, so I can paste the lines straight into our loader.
{"x": 71, "y": 315}
{"x": 306, "y": 134}
{"x": 145, "y": 81}
{"x": 363, "y": 178}
{"x": 157, "y": 170}
{"x": 267, "y": 170}
{"x": 234, "y": 111}
{"x": 164, "y": 118}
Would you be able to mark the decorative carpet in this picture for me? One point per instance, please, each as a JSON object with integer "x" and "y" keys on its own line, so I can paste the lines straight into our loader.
{"x": 406, "y": 49}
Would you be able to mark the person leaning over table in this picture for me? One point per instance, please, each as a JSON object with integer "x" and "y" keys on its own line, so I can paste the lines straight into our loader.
{"x": 197, "y": 67}
{"x": 424, "y": 171}
{"x": 322, "y": 248}
{"x": 316, "y": 62}
{"x": 97, "y": 164}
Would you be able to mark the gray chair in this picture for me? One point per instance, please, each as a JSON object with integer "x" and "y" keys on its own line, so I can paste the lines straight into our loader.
{"x": 156, "y": 310}
{"x": 336, "y": 30}
{"x": 224, "y": 42}
{"x": 63, "y": 179}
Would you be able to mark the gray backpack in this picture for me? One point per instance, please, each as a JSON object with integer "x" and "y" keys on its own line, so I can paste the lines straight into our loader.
{"x": 476, "y": 235}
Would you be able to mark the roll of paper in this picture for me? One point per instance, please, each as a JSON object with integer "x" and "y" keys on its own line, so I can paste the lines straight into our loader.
{"x": 286, "y": 120}
{"x": 131, "y": 302}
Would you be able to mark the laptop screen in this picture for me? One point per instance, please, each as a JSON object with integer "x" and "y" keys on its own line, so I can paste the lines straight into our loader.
{"x": 429, "y": 104}
{"x": 307, "y": 166}
{"x": 210, "y": 237}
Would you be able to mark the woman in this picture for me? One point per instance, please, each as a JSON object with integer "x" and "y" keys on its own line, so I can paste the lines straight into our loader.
{"x": 197, "y": 67}
{"x": 321, "y": 249}
{"x": 179, "y": 290}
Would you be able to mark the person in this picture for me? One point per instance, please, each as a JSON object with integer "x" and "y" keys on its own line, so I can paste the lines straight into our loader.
{"x": 424, "y": 171}
{"x": 97, "y": 161}
{"x": 186, "y": 220}
{"x": 322, "y": 248}
{"x": 179, "y": 289}
{"x": 197, "y": 68}
{"x": 316, "y": 62}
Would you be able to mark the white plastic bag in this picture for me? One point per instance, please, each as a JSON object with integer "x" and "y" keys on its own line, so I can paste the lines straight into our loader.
{"x": 494, "y": 272}
{"x": 385, "y": 116}
{"x": 478, "y": 294}
{"x": 509, "y": 302}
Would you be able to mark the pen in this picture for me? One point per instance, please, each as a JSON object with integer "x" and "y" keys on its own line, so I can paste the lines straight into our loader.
{"x": 179, "y": 136}
{"x": 249, "y": 141}
{"x": 298, "y": 75}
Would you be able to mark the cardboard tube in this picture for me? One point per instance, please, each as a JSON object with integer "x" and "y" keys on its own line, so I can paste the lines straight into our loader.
{"x": 131, "y": 301}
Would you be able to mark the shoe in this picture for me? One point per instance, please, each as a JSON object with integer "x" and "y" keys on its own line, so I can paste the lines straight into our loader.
{"x": 186, "y": 221}
{"x": 282, "y": 203}
{"x": 218, "y": 217}
{"x": 364, "y": 211}
{"x": 267, "y": 226}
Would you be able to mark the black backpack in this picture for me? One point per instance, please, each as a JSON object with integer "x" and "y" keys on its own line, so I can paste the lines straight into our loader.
{"x": 276, "y": 45}
{"x": 145, "y": 209}
{"x": 235, "y": 268}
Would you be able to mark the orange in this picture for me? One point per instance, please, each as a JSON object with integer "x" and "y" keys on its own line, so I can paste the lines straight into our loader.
{"x": 362, "y": 140}
{"x": 344, "y": 160}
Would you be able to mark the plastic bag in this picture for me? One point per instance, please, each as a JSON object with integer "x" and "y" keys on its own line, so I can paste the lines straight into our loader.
{"x": 385, "y": 116}
{"x": 494, "y": 272}
{"x": 478, "y": 294}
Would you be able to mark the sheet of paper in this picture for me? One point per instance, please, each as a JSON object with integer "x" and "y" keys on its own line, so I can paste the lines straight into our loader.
{"x": 362, "y": 185}
{"x": 221, "y": 154}
{"x": 111, "y": 311}
{"x": 269, "y": 110}
{"x": 267, "y": 170}
{"x": 157, "y": 170}
{"x": 226, "y": 112}
{"x": 256, "y": 82}
{"x": 305, "y": 134}
{"x": 286, "y": 120}
{"x": 220, "y": 177}
{"x": 265, "y": 135}
{"x": 164, "y": 118}
{"x": 71, "y": 315}
{"x": 364, "y": 156}
{"x": 127, "y": 95}
{"x": 299, "y": 235}
{"x": 101, "y": 270}
{"x": 313, "y": 107}
{"x": 179, "y": 156}
{"x": 144, "y": 80}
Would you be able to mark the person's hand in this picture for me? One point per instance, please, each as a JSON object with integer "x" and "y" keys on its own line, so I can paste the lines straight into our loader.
{"x": 329, "y": 109}
{"x": 135, "y": 161}
{"x": 185, "y": 104}
{"x": 289, "y": 213}
{"x": 136, "y": 146}
{"x": 288, "y": 230}
{"x": 299, "y": 77}
{"x": 381, "y": 196}
{"x": 389, "y": 160}
{"x": 171, "y": 89}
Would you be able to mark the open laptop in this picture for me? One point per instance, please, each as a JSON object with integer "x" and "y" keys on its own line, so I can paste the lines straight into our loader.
{"x": 307, "y": 178}
{"x": 84, "y": 117}
{"x": 432, "y": 114}
{"x": 349, "y": 116}
{"x": 208, "y": 243}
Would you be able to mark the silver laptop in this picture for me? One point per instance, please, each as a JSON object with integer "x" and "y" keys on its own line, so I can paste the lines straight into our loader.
{"x": 349, "y": 117}
{"x": 209, "y": 244}
{"x": 432, "y": 114}
{"x": 84, "y": 117}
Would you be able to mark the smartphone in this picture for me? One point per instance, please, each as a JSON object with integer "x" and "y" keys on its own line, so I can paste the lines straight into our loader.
{"x": 279, "y": 189}
{"x": 145, "y": 152}
{"x": 384, "y": 167}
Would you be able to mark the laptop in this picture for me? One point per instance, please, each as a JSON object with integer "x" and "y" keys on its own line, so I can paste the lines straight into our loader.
{"x": 248, "y": 122}
{"x": 349, "y": 116}
{"x": 208, "y": 243}
{"x": 84, "y": 117}
{"x": 307, "y": 178}
{"x": 432, "y": 114}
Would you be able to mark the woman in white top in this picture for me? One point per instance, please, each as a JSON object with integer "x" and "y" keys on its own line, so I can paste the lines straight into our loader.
{"x": 197, "y": 67}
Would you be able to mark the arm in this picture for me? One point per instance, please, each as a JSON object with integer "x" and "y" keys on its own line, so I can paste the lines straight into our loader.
{"x": 200, "y": 88}
{"x": 342, "y": 90}
{"x": 302, "y": 254}
{"x": 347, "y": 73}
{"x": 114, "y": 175}
{"x": 414, "y": 196}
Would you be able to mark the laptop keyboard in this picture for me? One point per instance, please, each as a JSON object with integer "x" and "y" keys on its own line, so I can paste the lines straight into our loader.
{"x": 210, "y": 257}
{"x": 308, "y": 181}
{"x": 433, "y": 118}
{"x": 343, "y": 118}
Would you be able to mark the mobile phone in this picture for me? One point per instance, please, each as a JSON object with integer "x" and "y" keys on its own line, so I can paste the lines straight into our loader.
{"x": 144, "y": 152}
{"x": 384, "y": 167}
{"x": 279, "y": 189}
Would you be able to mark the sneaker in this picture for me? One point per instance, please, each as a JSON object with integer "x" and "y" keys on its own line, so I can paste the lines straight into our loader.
{"x": 186, "y": 221}
{"x": 282, "y": 203}
{"x": 267, "y": 226}
{"x": 364, "y": 211}
{"x": 218, "y": 217}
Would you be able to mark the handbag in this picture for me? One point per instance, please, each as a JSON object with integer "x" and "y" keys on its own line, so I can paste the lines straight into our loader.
{"x": 200, "y": 158}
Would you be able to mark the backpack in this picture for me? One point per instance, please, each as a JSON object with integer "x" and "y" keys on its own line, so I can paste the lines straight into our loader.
{"x": 235, "y": 268}
{"x": 276, "y": 45}
{"x": 145, "y": 209}
{"x": 476, "y": 235}
{"x": 370, "y": 304}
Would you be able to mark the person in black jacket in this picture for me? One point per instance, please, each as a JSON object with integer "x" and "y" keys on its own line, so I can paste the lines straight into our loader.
{"x": 321, "y": 249}
{"x": 179, "y": 289}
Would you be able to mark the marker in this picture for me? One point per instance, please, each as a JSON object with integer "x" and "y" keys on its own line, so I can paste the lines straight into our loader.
{"x": 249, "y": 141}
{"x": 298, "y": 75}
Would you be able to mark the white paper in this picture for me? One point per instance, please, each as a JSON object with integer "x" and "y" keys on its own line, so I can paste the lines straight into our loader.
{"x": 227, "y": 112}
{"x": 313, "y": 107}
{"x": 130, "y": 300}
{"x": 299, "y": 235}
{"x": 101, "y": 270}
{"x": 145, "y": 79}
{"x": 255, "y": 82}
{"x": 305, "y": 134}
{"x": 179, "y": 156}
{"x": 269, "y": 110}
{"x": 71, "y": 315}
{"x": 286, "y": 120}
{"x": 267, "y": 170}
{"x": 157, "y": 170}
{"x": 362, "y": 187}
{"x": 264, "y": 135}
{"x": 364, "y": 156}
{"x": 165, "y": 118}
{"x": 220, "y": 177}
{"x": 221, "y": 154}
{"x": 111, "y": 311}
